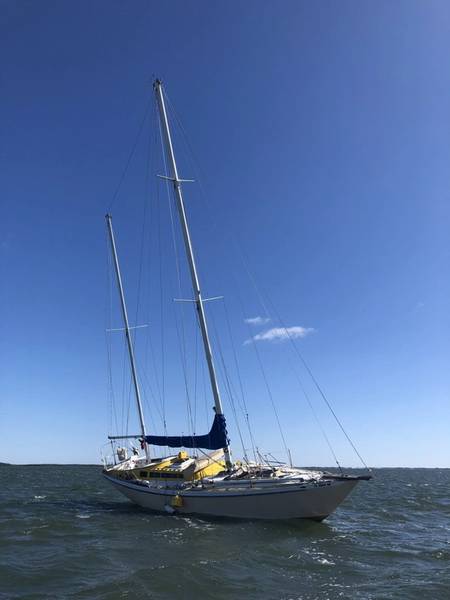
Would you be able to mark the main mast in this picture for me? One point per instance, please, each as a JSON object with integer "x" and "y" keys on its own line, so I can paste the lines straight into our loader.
{"x": 127, "y": 335}
{"x": 190, "y": 255}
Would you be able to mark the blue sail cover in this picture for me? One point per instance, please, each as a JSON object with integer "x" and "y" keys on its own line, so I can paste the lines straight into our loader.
{"x": 215, "y": 439}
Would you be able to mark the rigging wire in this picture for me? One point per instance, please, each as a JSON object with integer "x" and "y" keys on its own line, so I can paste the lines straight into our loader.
{"x": 195, "y": 378}
{"x": 225, "y": 372}
{"x": 115, "y": 195}
{"x": 130, "y": 156}
{"x": 124, "y": 382}
{"x": 181, "y": 336}
{"x": 185, "y": 376}
{"x": 110, "y": 384}
{"x": 197, "y": 169}
{"x": 266, "y": 311}
{"x": 145, "y": 387}
{"x": 267, "y": 314}
{"x": 124, "y": 430}
{"x": 228, "y": 387}
{"x": 133, "y": 334}
{"x": 269, "y": 391}
{"x": 161, "y": 295}
{"x": 226, "y": 378}
{"x": 205, "y": 395}
{"x": 129, "y": 402}
{"x": 321, "y": 392}
{"x": 303, "y": 361}
{"x": 243, "y": 406}
{"x": 314, "y": 413}
{"x": 149, "y": 346}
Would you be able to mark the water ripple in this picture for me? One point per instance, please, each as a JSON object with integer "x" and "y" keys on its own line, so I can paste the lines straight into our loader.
{"x": 64, "y": 533}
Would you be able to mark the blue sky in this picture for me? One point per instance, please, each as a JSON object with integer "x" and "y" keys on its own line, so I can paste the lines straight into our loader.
{"x": 321, "y": 131}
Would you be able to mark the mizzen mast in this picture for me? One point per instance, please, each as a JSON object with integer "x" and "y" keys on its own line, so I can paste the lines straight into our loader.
{"x": 190, "y": 255}
{"x": 128, "y": 337}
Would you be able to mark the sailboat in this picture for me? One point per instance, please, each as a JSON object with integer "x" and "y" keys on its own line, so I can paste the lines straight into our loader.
{"x": 209, "y": 483}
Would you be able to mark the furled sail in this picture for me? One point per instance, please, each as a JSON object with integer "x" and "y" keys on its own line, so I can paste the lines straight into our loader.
{"x": 214, "y": 440}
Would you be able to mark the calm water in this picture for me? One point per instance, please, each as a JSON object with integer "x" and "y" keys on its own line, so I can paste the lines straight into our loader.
{"x": 65, "y": 534}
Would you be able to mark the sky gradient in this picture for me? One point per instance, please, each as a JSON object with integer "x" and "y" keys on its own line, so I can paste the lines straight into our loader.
{"x": 321, "y": 131}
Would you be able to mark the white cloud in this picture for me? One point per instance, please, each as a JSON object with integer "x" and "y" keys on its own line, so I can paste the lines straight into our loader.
{"x": 277, "y": 334}
{"x": 257, "y": 320}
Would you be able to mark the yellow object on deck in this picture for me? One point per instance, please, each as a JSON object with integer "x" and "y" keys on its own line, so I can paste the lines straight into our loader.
{"x": 211, "y": 469}
{"x": 180, "y": 467}
{"x": 177, "y": 501}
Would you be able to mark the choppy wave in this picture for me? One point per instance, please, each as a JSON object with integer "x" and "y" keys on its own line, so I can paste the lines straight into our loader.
{"x": 64, "y": 533}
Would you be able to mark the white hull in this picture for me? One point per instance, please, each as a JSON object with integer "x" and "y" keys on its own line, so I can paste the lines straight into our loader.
{"x": 275, "y": 501}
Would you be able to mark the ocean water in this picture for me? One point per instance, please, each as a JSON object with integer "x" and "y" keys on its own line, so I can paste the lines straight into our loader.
{"x": 65, "y": 533}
